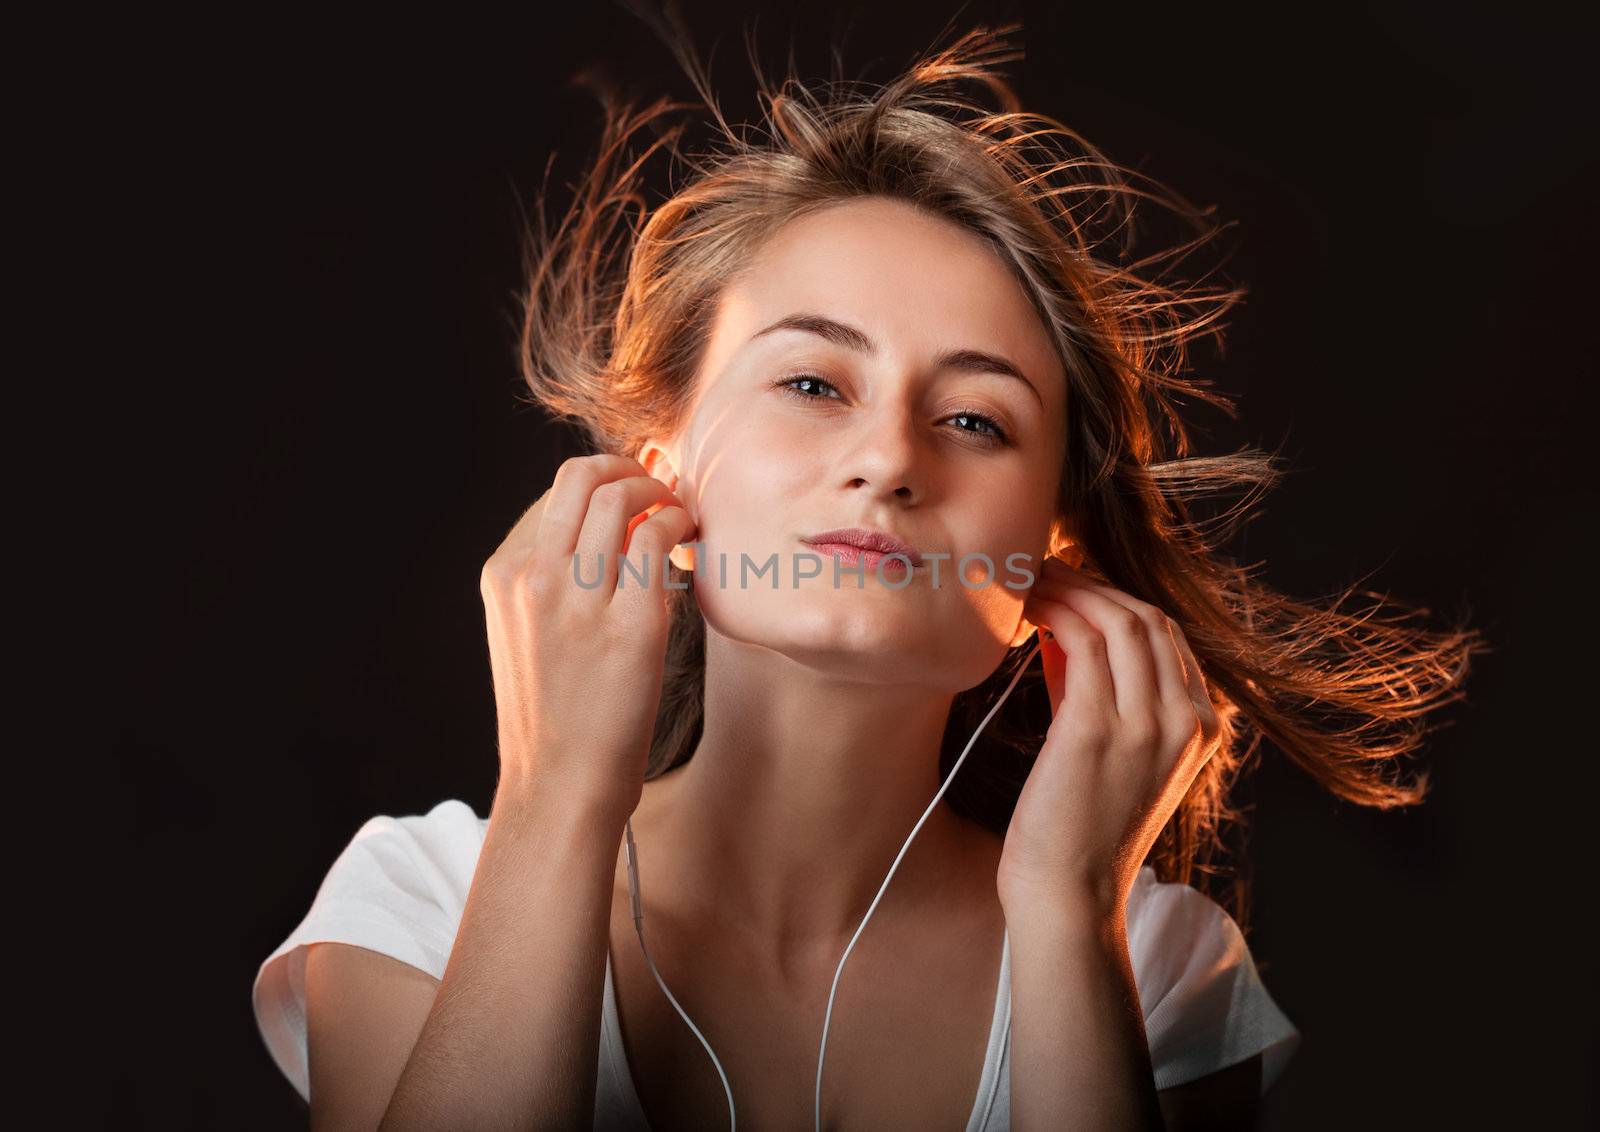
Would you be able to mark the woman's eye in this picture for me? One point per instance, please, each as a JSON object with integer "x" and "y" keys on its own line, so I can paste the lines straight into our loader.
{"x": 807, "y": 387}
{"x": 792, "y": 384}
{"x": 992, "y": 429}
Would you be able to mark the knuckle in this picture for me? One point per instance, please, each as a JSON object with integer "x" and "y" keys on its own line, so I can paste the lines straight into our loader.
{"x": 609, "y": 496}
{"x": 581, "y": 472}
{"x": 1128, "y": 621}
{"x": 650, "y": 539}
{"x": 1184, "y": 720}
{"x": 1074, "y": 630}
{"x": 1144, "y": 611}
{"x": 532, "y": 582}
{"x": 1142, "y": 731}
{"x": 573, "y": 467}
{"x": 497, "y": 574}
{"x": 1090, "y": 727}
{"x": 656, "y": 531}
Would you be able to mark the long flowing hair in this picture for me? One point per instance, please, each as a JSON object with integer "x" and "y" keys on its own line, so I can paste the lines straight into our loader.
{"x": 616, "y": 313}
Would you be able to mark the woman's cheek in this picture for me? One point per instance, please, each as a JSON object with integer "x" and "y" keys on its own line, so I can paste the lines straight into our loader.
{"x": 998, "y": 606}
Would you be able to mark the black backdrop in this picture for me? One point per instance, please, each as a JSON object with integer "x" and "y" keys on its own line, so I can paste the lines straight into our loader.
{"x": 325, "y": 447}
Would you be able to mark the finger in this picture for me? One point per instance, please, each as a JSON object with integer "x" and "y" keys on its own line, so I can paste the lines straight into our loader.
{"x": 612, "y": 508}
{"x": 638, "y": 520}
{"x": 1087, "y": 691}
{"x": 1054, "y": 661}
{"x": 567, "y": 503}
{"x": 653, "y": 539}
{"x": 1195, "y": 682}
{"x": 1171, "y": 683}
{"x": 1133, "y": 670}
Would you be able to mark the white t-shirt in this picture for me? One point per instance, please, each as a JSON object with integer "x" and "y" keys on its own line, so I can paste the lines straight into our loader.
{"x": 401, "y": 884}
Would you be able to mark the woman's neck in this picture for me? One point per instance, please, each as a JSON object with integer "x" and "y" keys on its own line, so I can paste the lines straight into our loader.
{"x": 799, "y": 796}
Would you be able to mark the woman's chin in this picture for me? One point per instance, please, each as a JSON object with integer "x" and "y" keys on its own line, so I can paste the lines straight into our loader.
{"x": 860, "y": 640}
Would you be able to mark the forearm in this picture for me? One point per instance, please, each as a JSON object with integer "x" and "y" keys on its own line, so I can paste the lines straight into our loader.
{"x": 513, "y": 1038}
{"x": 1079, "y": 1054}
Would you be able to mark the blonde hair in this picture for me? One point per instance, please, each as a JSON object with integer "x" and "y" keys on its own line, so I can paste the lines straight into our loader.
{"x": 615, "y": 318}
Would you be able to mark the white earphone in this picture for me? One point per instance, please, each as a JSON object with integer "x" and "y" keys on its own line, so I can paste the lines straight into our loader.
{"x": 638, "y": 911}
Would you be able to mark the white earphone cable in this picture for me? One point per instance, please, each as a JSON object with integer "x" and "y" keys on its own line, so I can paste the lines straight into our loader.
{"x": 638, "y": 912}
{"x": 638, "y": 927}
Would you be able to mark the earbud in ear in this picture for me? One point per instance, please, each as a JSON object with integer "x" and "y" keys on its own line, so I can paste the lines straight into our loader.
{"x": 1072, "y": 554}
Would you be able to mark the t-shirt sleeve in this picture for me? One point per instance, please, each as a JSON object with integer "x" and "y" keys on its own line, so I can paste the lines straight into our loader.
{"x": 1204, "y": 1003}
{"x": 398, "y": 888}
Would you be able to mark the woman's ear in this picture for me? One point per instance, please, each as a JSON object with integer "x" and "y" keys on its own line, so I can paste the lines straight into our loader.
{"x": 1065, "y": 545}
{"x": 657, "y": 460}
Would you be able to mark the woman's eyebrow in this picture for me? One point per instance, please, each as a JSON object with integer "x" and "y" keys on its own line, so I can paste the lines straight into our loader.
{"x": 842, "y": 334}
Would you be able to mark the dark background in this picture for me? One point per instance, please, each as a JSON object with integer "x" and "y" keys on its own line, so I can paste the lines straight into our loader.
{"x": 320, "y": 446}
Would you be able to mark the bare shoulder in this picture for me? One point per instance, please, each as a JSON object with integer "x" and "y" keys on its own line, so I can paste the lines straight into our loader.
{"x": 1230, "y": 1098}
{"x": 364, "y": 1013}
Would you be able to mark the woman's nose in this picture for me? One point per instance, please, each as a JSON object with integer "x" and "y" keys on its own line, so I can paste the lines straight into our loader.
{"x": 884, "y": 452}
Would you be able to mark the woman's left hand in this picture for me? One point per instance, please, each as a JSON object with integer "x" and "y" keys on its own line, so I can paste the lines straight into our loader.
{"x": 1132, "y": 726}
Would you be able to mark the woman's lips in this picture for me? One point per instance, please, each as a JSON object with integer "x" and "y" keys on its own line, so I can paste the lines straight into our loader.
{"x": 850, "y": 555}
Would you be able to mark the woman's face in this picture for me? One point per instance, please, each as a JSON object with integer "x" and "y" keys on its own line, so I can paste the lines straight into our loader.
{"x": 796, "y": 431}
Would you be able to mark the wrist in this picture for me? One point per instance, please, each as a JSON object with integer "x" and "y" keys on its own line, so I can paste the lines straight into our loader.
{"x": 539, "y": 801}
{"x": 1059, "y": 908}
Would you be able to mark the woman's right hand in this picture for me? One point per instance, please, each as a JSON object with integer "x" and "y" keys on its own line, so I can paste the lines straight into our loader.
{"x": 578, "y": 671}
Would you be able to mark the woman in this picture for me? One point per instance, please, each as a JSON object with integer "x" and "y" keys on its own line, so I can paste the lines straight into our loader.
{"x": 895, "y": 319}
